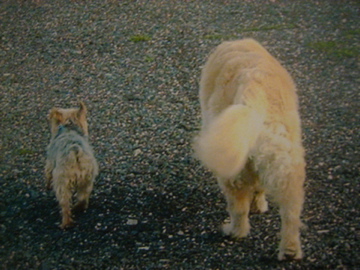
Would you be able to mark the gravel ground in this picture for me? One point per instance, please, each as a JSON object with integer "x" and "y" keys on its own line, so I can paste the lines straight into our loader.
{"x": 136, "y": 64}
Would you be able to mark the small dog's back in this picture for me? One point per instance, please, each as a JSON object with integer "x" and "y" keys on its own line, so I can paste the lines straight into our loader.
{"x": 73, "y": 157}
{"x": 71, "y": 165}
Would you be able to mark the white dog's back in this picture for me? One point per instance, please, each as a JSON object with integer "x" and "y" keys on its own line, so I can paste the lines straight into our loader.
{"x": 243, "y": 82}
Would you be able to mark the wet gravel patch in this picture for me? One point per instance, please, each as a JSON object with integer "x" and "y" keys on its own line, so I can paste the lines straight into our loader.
{"x": 136, "y": 65}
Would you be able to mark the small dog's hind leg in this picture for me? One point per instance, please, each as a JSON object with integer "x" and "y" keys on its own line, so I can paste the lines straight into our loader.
{"x": 83, "y": 195}
{"x": 64, "y": 197}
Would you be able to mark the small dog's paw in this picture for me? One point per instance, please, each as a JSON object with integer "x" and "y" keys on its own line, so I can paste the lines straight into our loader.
{"x": 67, "y": 225}
{"x": 81, "y": 206}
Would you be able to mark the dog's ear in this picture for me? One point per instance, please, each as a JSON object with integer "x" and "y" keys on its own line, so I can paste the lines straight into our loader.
{"x": 82, "y": 110}
{"x": 56, "y": 115}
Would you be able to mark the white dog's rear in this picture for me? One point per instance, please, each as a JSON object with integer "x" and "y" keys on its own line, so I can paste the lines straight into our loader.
{"x": 251, "y": 137}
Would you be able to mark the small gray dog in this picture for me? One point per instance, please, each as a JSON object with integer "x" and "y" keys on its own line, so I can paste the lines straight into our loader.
{"x": 70, "y": 166}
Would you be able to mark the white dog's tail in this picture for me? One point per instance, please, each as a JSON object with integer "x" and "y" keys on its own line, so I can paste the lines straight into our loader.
{"x": 224, "y": 145}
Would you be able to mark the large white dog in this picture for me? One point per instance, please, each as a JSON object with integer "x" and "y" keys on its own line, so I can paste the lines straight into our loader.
{"x": 251, "y": 138}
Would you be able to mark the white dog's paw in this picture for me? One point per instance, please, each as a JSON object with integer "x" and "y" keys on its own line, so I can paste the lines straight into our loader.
{"x": 236, "y": 232}
{"x": 290, "y": 254}
{"x": 259, "y": 205}
{"x": 262, "y": 205}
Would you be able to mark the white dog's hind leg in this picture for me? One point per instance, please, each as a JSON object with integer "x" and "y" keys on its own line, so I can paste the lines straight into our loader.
{"x": 238, "y": 206}
{"x": 291, "y": 201}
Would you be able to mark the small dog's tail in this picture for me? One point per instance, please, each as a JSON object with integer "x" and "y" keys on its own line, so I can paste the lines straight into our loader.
{"x": 224, "y": 145}
{"x": 86, "y": 164}
{"x": 75, "y": 153}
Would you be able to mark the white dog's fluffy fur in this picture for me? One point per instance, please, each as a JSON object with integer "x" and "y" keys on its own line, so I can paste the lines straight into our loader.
{"x": 251, "y": 137}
